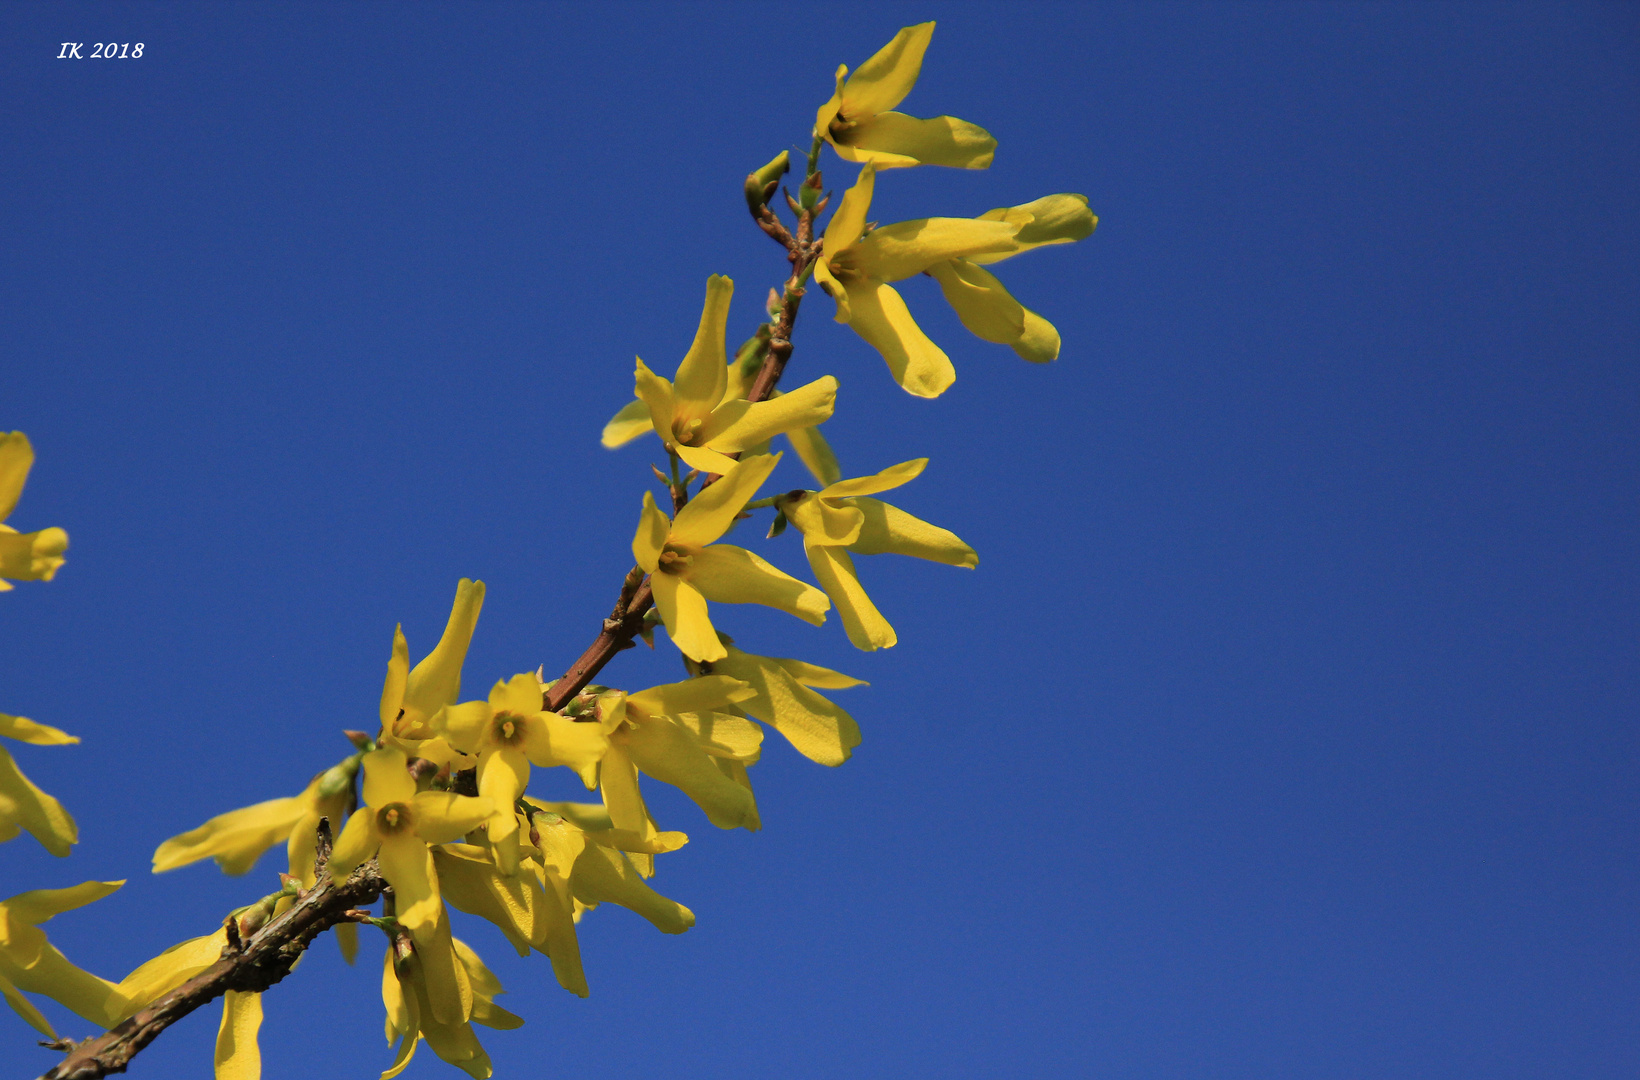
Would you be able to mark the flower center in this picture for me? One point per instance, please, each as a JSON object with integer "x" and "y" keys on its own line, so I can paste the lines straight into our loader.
{"x": 673, "y": 561}
{"x": 394, "y": 818}
{"x": 507, "y": 729}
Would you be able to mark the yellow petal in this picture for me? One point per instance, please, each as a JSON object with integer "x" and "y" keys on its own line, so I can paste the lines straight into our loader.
{"x": 235, "y": 839}
{"x": 357, "y": 843}
{"x": 23, "y": 1007}
{"x": 1040, "y": 341}
{"x": 666, "y": 750}
{"x": 618, "y": 783}
{"x": 237, "y": 1055}
{"x": 815, "y": 675}
{"x": 882, "y": 82}
{"x": 463, "y": 726}
{"x": 1052, "y": 219}
{"x": 888, "y": 529}
{"x": 888, "y": 479}
{"x": 22, "y": 805}
{"x": 443, "y": 978}
{"x": 906, "y": 248}
{"x": 653, "y": 527}
{"x": 709, "y": 514}
{"x": 655, "y": 391}
{"x": 398, "y": 672}
{"x": 519, "y": 695}
{"x": 167, "y": 971}
{"x": 880, "y": 317}
{"x": 347, "y": 940}
{"x": 34, "y": 556}
{"x": 698, "y": 386}
{"x": 892, "y": 139}
{"x": 604, "y": 875}
{"x": 758, "y": 422}
{"x": 39, "y": 906}
{"x": 691, "y": 695}
{"x": 436, "y": 681}
{"x": 25, "y": 730}
{"x": 633, "y": 420}
{"x": 683, "y": 612}
{"x": 408, "y": 867}
{"x": 828, "y": 112}
{"x": 820, "y": 520}
{"x": 849, "y": 219}
{"x": 815, "y": 727}
{"x": 386, "y": 779}
{"x": 724, "y": 735}
{"x": 866, "y": 627}
{"x": 980, "y": 301}
{"x": 403, "y": 1017}
{"x": 16, "y": 459}
{"x": 733, "y": 575}
{"x": 551, "y": 739}
{"x": 815, "y": 451}
{"x": 991, "y": 314}
{"x": 706, "y": 460}
{"x": 473, "y": 884}
{"x": 442, "y": 816}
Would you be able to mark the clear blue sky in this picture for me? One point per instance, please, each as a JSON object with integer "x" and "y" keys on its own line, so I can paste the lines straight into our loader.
{"x": 1287, "y": 728}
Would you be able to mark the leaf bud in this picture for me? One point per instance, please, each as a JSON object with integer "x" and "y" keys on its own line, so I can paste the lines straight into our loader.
{"x": 338, "y": 778}
{"x": 360, "y": 740}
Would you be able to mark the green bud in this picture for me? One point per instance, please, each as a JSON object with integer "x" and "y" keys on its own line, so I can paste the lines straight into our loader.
{"x": 760, "y": 186}
{"x": 809, "y": 194}
{"x": 779, "y": 525}
{"x": 338, "y": 778}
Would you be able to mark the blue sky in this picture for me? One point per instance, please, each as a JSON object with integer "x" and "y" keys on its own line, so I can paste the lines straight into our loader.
{"x": 1287, "y": 726}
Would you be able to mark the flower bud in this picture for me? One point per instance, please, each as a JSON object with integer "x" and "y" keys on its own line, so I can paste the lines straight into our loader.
{"x": 760, "y": 186}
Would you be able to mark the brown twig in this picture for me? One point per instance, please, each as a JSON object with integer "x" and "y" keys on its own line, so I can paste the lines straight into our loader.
{"x": 256, "y": 964}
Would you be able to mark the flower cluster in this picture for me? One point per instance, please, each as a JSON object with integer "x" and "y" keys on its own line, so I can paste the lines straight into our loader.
{"x": 434, "y": 812}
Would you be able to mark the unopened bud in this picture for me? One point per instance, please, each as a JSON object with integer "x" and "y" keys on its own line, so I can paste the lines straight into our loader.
{"x": 360, "y": 740}
{"x": 809, "y": 194}
{"x": 338, "y": 778}
{"x": 760, "y": 185}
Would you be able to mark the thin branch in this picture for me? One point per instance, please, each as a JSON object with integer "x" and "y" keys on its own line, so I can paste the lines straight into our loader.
{"x": 250, "y": 965}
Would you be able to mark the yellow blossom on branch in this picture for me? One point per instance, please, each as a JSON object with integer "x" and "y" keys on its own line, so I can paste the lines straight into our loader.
{"x": 412, "y": 1016}
{"x": 411, "y": 697}
{"x": 686, "y": 568}
{"x": 781, "y": 696}
{"x": 31, "y": 556}
{"x": 509, "y": 733}
{"x": 842, "y": 518}
{"x": 859, "y": 263}
{"x": 699, "y": 415}
{"x": 860, "y": 125}
{"x": 667, "y": 733}
{"x": 396, "y": 824}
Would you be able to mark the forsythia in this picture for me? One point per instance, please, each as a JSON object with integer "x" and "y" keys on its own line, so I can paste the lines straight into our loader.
{"x": 436, "y": 799}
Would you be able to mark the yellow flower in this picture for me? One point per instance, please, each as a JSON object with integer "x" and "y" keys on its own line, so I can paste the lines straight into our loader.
{"x": 980, "y": 301}
{"x": 411, "y": 697}
{"x": 673, "y": 733}
{"x": 859, "y": 125}
{"x": 508, "y": 733}
{"x": 781, "y": 697}
{"x": 29, "y": 962}
{"x": 857, "y": 265}
{"x": 31, "y": 556}
{"x": 699, "y": 414}
{"x": 239, "y": 837}
{"x": 410, "y": 1000}
{"x": 686, "y": 568}
{"x": 842, "y": 518}
{"x": 396, "y": 824}
{"x": 24, "y": 806}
